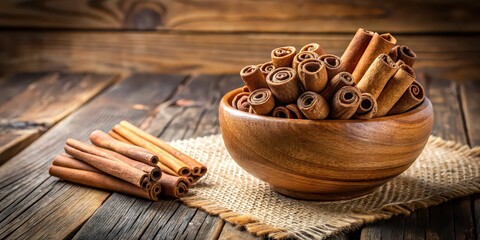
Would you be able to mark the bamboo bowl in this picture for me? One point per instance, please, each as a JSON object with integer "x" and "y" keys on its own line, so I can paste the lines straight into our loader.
{"x": 324, "y": 159}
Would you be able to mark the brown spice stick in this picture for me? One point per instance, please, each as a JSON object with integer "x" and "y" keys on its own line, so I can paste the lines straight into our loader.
{"x": 355, "y": 49}
{"x": 198, "y": 169}
{"x": 313, "y": 106}
{"x": 284, "y": 84}
{"x": 163, "y": 156}
{"x": 412, "y": 97}
{"x": 295, "y": 111}
{"x": 69, "y": 162}
{"x": 173, "y": 186}
{"x": 118, "y": 137}
{"x": 104, "y": 140}
{"x": 379, "y": 44}
{"x": 345, "y": 102}
{"x": 302, "y": 56}
{"x": 253, "y": 77}
{"x": 313, "y": 74}
{"x": 394, "y": 89}
{"x": 283, "y": 56}
{"x": 117, "y": 169}
{"x": 367, "y": 108}
{"x": 98, "y": 180}
{"x": 266, "y": 68}
{"x": 333, "y": 64}
{"x": 377, "y": 75}
{"x": 340, "y": 80}
{"x": 313, "y": 47}
{"x": 290, "y": 111}
{"x": 240, "y": 101}
{"x": 262, "y": 101}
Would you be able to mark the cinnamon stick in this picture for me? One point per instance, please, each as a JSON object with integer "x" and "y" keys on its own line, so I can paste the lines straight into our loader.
{"x": 345, "y": 102}
{"x": 394, "y": 89}
{"x": 412, "y": 97}
{"x": 377, "y": 75}
{"x": 104, "y": 140}
{"x": 313, "y": 47}
{"x": 313, "y": 74}
{"x": 163, "y": 156}
{"x": 173, "y": 186}
{"x": 333, "y": 64}
{"x": 266, "y": 68}
{"x": 283, "y": 56}
{"x": 302, "y": 56}
{"x": 245, "y": 89}
{"x": 262, "y": 101}
{"x": 355, "y": 49}
{"x": 340, "y": 80}
{"x": 404, "y": 53}
{"x": 240, "y": 101}
{"x": 294, "y": 111}
{"x": 118, "y": 137}
{"x": 313, "y": 106}
{"x": 69, "y": 162}
{"x": 284, "y": 84}
{"x": 117, "y": 169}
{"x": 98, "y": 180}
{"x": 290, "y": 111}
{"x": 154, "y": 173}
{"x": 253, "y": 77}
{"x": 367, "y": 108}
{"x": 379, "y": 44}
{"x": 198, "y": 169}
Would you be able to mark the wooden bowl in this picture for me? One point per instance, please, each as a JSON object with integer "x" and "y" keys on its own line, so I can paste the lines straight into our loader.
{"x": 324, "y": 159}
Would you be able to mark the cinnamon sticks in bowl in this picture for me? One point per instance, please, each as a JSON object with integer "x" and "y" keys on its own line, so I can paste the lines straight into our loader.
{"x": 373, "y": 78}
{"x": 128, "y": 160}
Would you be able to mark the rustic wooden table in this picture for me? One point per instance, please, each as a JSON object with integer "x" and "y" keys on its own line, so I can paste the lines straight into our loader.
{"x": 38, "y": 112}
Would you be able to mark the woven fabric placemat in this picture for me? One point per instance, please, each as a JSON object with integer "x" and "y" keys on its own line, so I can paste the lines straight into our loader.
{"x": 444, "y": 170}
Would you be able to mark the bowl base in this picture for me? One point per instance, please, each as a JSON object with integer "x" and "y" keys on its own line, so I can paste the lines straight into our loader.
{"x": 323, "y": 196}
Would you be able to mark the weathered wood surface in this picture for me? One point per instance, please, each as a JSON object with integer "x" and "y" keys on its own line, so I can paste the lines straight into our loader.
{"x": 35, "y": 205}
{"x": 442, "y": 57}
{"x": 263, "y": 16}
{"x": 32, "y": 103}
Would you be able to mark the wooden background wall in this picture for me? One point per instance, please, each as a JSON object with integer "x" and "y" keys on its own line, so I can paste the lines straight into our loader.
{"x": 221, "y": 36}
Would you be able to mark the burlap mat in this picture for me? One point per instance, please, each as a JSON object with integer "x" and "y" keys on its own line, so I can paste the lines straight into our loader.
{"x": 443, "y": 171}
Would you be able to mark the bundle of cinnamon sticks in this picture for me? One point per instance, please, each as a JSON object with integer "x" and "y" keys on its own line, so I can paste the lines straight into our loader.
{"x": 128, "y": 160}
{"x": 373, "y": 78}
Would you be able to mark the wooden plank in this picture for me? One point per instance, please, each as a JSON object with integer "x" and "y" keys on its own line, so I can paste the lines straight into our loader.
{"x": 32, "y": 103}
{"x": 191, "y": 111}
{"x": 447, "y": 57}
{"x": 231, "y": 232}
{"x": 258, "y": 16}
{"x": 35, "y": 205}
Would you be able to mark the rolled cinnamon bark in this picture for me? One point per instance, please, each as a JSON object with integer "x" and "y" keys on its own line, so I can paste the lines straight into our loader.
{"x": 355, "y": 49}
{"x": 283, "y": 56}
{"x": 153, "y": 172}
{"x": 69, "y": 162}
{"x": 262, "y": 101}
{"x": 240, "y": 101}
{"x": 302, "y": 56}
{"x": 379, "y": 44}
{"x": 367, "y": 108}
{"x": 345, "y": 102}
{"x": 198, "y": 169}
{"x": 313, "y": 74}
{"x": 245, "y": 89}
{"x": 164, "y": 157}
{"x": 173, "y": 186}
{"x": 394, "y": 89}
{"x": 117, "y": 169}
{"x": 377, "y": 75}
{"x": 98, "y": 180}
{"x": 253, "y": 77}
{"x": 333, "y": 64}
{"x": 118, "y": 137}
{"x": 313, "y": 47}
{"x": 104, "y": 140}
{"x": 404, "y": 53}
{"x": 266, "y": 68}
{"x": 340, "y": 80}
{"x": 412, "y": 97}
{"x": 295, "y": 112}
{"x": 291, "y": 111}
{"x": 155, "y": 191}
{"x": 313, "y": 106}
{"x": 284, "y": 84}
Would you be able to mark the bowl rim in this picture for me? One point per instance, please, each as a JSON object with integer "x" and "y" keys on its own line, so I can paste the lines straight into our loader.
{"x": 226, "y": 103}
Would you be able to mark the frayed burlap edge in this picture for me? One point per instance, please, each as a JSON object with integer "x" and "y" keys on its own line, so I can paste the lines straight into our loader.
{"x": 356, "y": 220}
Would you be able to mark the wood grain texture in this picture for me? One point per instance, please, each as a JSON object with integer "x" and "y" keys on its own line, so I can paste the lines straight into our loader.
{"x": 35, "y": 205}
{"x": 247, "y": 16}
{"x": 191, "y": 111}
{"x": 32, "y": 103}
{"x": 444, "y": 57}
